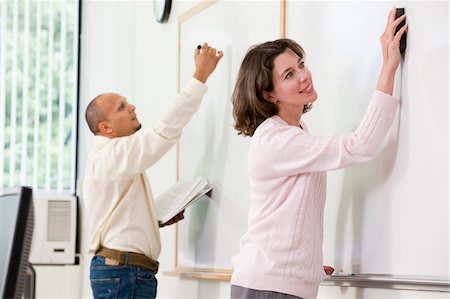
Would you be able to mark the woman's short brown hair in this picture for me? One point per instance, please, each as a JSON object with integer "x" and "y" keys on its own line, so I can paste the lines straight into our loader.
{"x": 250, "y": 108}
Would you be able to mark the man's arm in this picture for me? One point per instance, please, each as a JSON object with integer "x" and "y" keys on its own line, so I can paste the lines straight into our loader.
{"x": 140, "y": 151}
{"x": 188, "y": 101}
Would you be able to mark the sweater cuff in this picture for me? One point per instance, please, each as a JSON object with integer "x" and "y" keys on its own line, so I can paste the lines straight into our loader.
{"x": 389, "y": 102}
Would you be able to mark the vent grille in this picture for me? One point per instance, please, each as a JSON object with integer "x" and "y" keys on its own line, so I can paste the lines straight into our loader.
{"x": 58, "y": 228}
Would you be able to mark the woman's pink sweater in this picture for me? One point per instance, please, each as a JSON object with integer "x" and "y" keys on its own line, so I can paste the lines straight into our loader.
{"x": 282, "y": 248}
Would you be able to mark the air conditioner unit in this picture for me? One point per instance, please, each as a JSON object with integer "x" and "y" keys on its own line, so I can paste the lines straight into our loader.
{"x": 55, "y": 225}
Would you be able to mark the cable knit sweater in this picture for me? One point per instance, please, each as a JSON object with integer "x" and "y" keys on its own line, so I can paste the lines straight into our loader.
{"x": 282, "y": 248}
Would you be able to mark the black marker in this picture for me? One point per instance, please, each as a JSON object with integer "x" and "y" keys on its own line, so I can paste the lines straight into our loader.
{"x": 199, "y": 47}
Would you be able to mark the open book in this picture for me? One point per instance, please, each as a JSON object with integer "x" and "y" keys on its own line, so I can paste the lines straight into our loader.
{"x": 179, "y": 197}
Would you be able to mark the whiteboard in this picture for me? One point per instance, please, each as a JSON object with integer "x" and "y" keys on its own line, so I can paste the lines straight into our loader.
{"x": 210, "y": 147}
{"x": 391, "y": 215}
{"x": 388, "y": 216}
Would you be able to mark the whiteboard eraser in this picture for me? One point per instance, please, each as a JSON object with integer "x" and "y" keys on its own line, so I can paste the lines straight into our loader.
{"x": 398, "y": 13}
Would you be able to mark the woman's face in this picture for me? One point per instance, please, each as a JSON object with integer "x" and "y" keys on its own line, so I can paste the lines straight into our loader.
{"x": 292, "y": 81}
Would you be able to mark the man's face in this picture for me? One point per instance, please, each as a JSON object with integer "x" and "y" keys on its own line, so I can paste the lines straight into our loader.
{"x": 121, "y": 118}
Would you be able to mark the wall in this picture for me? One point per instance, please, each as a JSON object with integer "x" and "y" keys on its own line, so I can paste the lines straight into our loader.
{"x": 126, "y": 51}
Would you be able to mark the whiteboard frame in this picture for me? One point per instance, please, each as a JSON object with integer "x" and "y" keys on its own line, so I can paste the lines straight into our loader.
{"x": 385, "y": 281}
{"x": 417, "y": 283}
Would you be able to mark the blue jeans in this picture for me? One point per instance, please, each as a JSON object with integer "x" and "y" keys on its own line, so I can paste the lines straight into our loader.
{"x": 121, "y": 281}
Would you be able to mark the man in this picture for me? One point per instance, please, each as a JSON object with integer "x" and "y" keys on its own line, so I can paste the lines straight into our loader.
{"x": 124, "y": 228}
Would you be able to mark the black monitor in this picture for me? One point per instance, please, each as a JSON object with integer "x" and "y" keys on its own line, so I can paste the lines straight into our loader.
{"x": 16, "y": 231}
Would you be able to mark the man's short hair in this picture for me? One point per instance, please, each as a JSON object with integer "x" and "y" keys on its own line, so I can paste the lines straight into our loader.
{"x": 94, "y": 115}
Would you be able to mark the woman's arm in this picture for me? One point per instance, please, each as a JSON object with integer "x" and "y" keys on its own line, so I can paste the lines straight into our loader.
{"x": 390, "y": 43}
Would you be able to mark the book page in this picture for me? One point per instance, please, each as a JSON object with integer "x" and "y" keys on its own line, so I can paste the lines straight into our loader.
{"x": 178, "y": 197}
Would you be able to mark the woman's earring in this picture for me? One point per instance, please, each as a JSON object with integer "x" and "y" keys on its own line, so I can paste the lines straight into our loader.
{"x": 275, "y": 101}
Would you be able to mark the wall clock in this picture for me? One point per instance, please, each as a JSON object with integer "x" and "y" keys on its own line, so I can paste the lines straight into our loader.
{"x": 161, "y": 10}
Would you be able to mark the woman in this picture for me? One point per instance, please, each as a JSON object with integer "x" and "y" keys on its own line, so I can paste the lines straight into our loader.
{"x": 281, "y": 252}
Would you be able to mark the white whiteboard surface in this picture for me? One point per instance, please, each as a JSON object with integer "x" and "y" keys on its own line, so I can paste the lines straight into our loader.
{"x": 388, "y": 216}
{"x": 391, "y": 215}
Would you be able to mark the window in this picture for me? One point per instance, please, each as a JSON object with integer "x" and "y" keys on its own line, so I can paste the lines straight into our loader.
{"x": 38, "y": 94}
